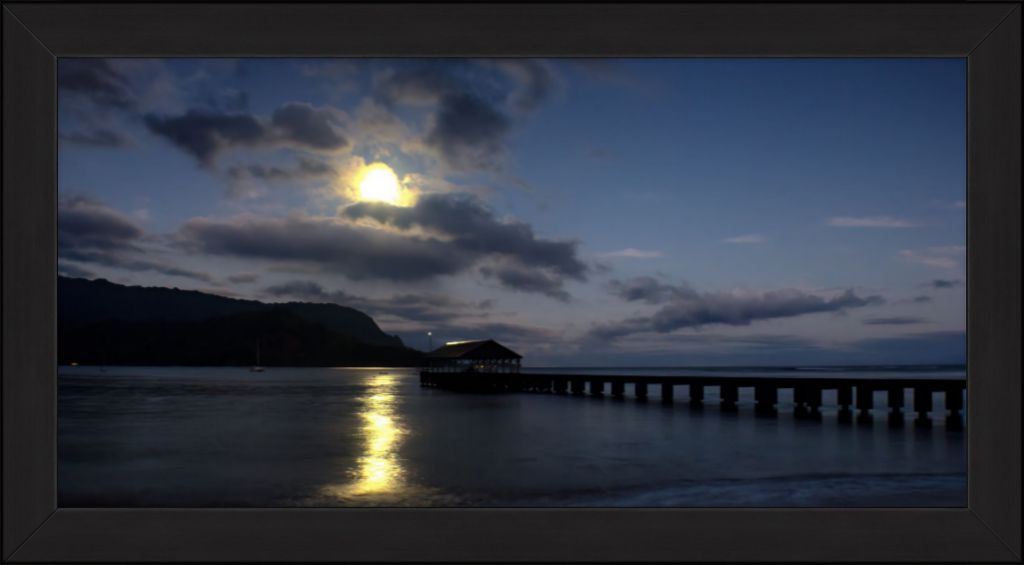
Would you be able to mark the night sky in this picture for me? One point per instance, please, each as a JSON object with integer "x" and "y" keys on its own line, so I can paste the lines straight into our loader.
{"x": 584, "y": 212}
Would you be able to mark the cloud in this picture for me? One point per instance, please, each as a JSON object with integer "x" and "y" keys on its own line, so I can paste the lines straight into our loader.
{"x": 84, "y": 223}
{"x": 943, "y": 283}
{"x": 470, "y": 106}
{"x": 416, "y": 307}
{"x": 242, "y": 278}
{"x": 534, "y": 79}
{"x": 684, "y": 307}
{"x": 97, "y": 81}
{"x": 468, "y": 132}
{"x": 91, "y": 233}
{"x": 647, "y": 289}
{"x": 205, "y": 134}
{"x": 922, "y": 299}
{"x": 66, "y": 269}
{"x": 323, "y": 243}
{"x": 342, "y": 71}
{"x": 304, "y": 125}
{"x": 523, "y": 279}
{"x": 944, "y": 257}
{"x": 442, "y": 234}
{"x": 745, "y": 239}
{"x": 894, "y": 321}
{"x": 880, "y": 222}
{"x": 251, "y": 180}
{"x": 474, "y": 229}
{"x": 98, "y": 136}
{"x": 416, "y": 86}
{"x": 632, "y": 253}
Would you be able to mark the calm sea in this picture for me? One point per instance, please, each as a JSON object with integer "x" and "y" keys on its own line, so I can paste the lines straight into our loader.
{"x": 180, "y": 437}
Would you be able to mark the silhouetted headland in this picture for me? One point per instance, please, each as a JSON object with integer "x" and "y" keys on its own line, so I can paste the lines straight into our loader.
{"x": 103, "y": 323}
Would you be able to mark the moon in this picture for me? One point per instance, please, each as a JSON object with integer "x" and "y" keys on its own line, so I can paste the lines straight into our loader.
{"x": 379, "y": 183}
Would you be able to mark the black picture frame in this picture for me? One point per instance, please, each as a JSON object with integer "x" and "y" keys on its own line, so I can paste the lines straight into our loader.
{"x": 988, "y": 35}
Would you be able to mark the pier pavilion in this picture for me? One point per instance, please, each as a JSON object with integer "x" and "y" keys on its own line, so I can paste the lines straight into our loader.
{"x": 477, "y": 356}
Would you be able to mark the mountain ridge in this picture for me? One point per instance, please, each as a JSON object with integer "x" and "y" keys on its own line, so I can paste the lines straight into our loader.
{"x": 105, "y": 323}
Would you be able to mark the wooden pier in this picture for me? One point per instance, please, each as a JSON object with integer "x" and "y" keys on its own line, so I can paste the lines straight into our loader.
{"x": 851, "y": 394}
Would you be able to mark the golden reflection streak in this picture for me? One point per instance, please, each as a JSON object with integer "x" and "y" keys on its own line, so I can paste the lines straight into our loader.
{"x": 379, "y": 469}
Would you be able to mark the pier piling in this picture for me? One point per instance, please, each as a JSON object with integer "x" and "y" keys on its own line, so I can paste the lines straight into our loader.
{"x": 813, "y": 399}
{"x": 800, "y": 402}
{"x": 844, "y": 399}
{"x": 923, "y": 404}
{"x": 865, "y": 402}
{"x": 852, "y": 394}
{"x": 667, "y": 391}
{"x": 578, "y": 386}
{"x": 954, "y": 404}
{"x": 729, "y": 395}
{"x": 954, "y": 401}
{"x": 618, "y": 389}
{"x": 696, "y": 395}
{"x": 896, "y": 401}
{"x": 766, "y": 397}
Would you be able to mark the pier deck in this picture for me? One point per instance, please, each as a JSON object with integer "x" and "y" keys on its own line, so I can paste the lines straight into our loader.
{"x": 807, "y": 392}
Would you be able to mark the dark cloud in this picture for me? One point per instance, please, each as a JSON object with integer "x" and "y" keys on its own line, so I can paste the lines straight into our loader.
{"x": 89, "y": 232}
{"x": 99, "y": 136}
{"x": 204, "y": 134}
{"x": 895, "y": 321}
{"x": 446, "y": 317}
{"x": 471, "y": 102}
{"x": 306, "y": 290}
{"x": 305, "y": 169}
{"x": 66, "y": 269}
{"x": 943, "y": 283}
{"x": 648, "y": 289}
{"x": 442, "y": 234}
{"x": 325, "y": 244}
{"x": 474, "y": 229}
{"x": 468, "y": 132}
{"x": 415, "y": 86}
{"x": 417, "y": 307}
{"x": 517, "y": 277}
{"x": 534, "y": 78}
{"x": 684, "y": 307}
{"x": 242, "y": 278}
{"x": 97, "y": 81}
{"x": 84, "y": 223}
{"x": 131, "y": 264}
{"x": 228, "y": 100}
{"x": 923, "y": 299}
{"x": 307, "y": 126}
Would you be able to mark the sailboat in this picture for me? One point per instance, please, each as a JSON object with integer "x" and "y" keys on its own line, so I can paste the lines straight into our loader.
{"x": 256, "y": 368}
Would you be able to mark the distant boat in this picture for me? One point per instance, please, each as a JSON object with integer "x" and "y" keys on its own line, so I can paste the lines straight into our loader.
{"x": 256, "y": 368}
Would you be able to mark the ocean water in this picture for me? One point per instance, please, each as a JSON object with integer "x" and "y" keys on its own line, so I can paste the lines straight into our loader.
{"x": 328, "y": 437}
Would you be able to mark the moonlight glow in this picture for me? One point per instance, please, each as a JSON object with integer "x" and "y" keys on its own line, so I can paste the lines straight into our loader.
{"x": 378, "y": 183}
